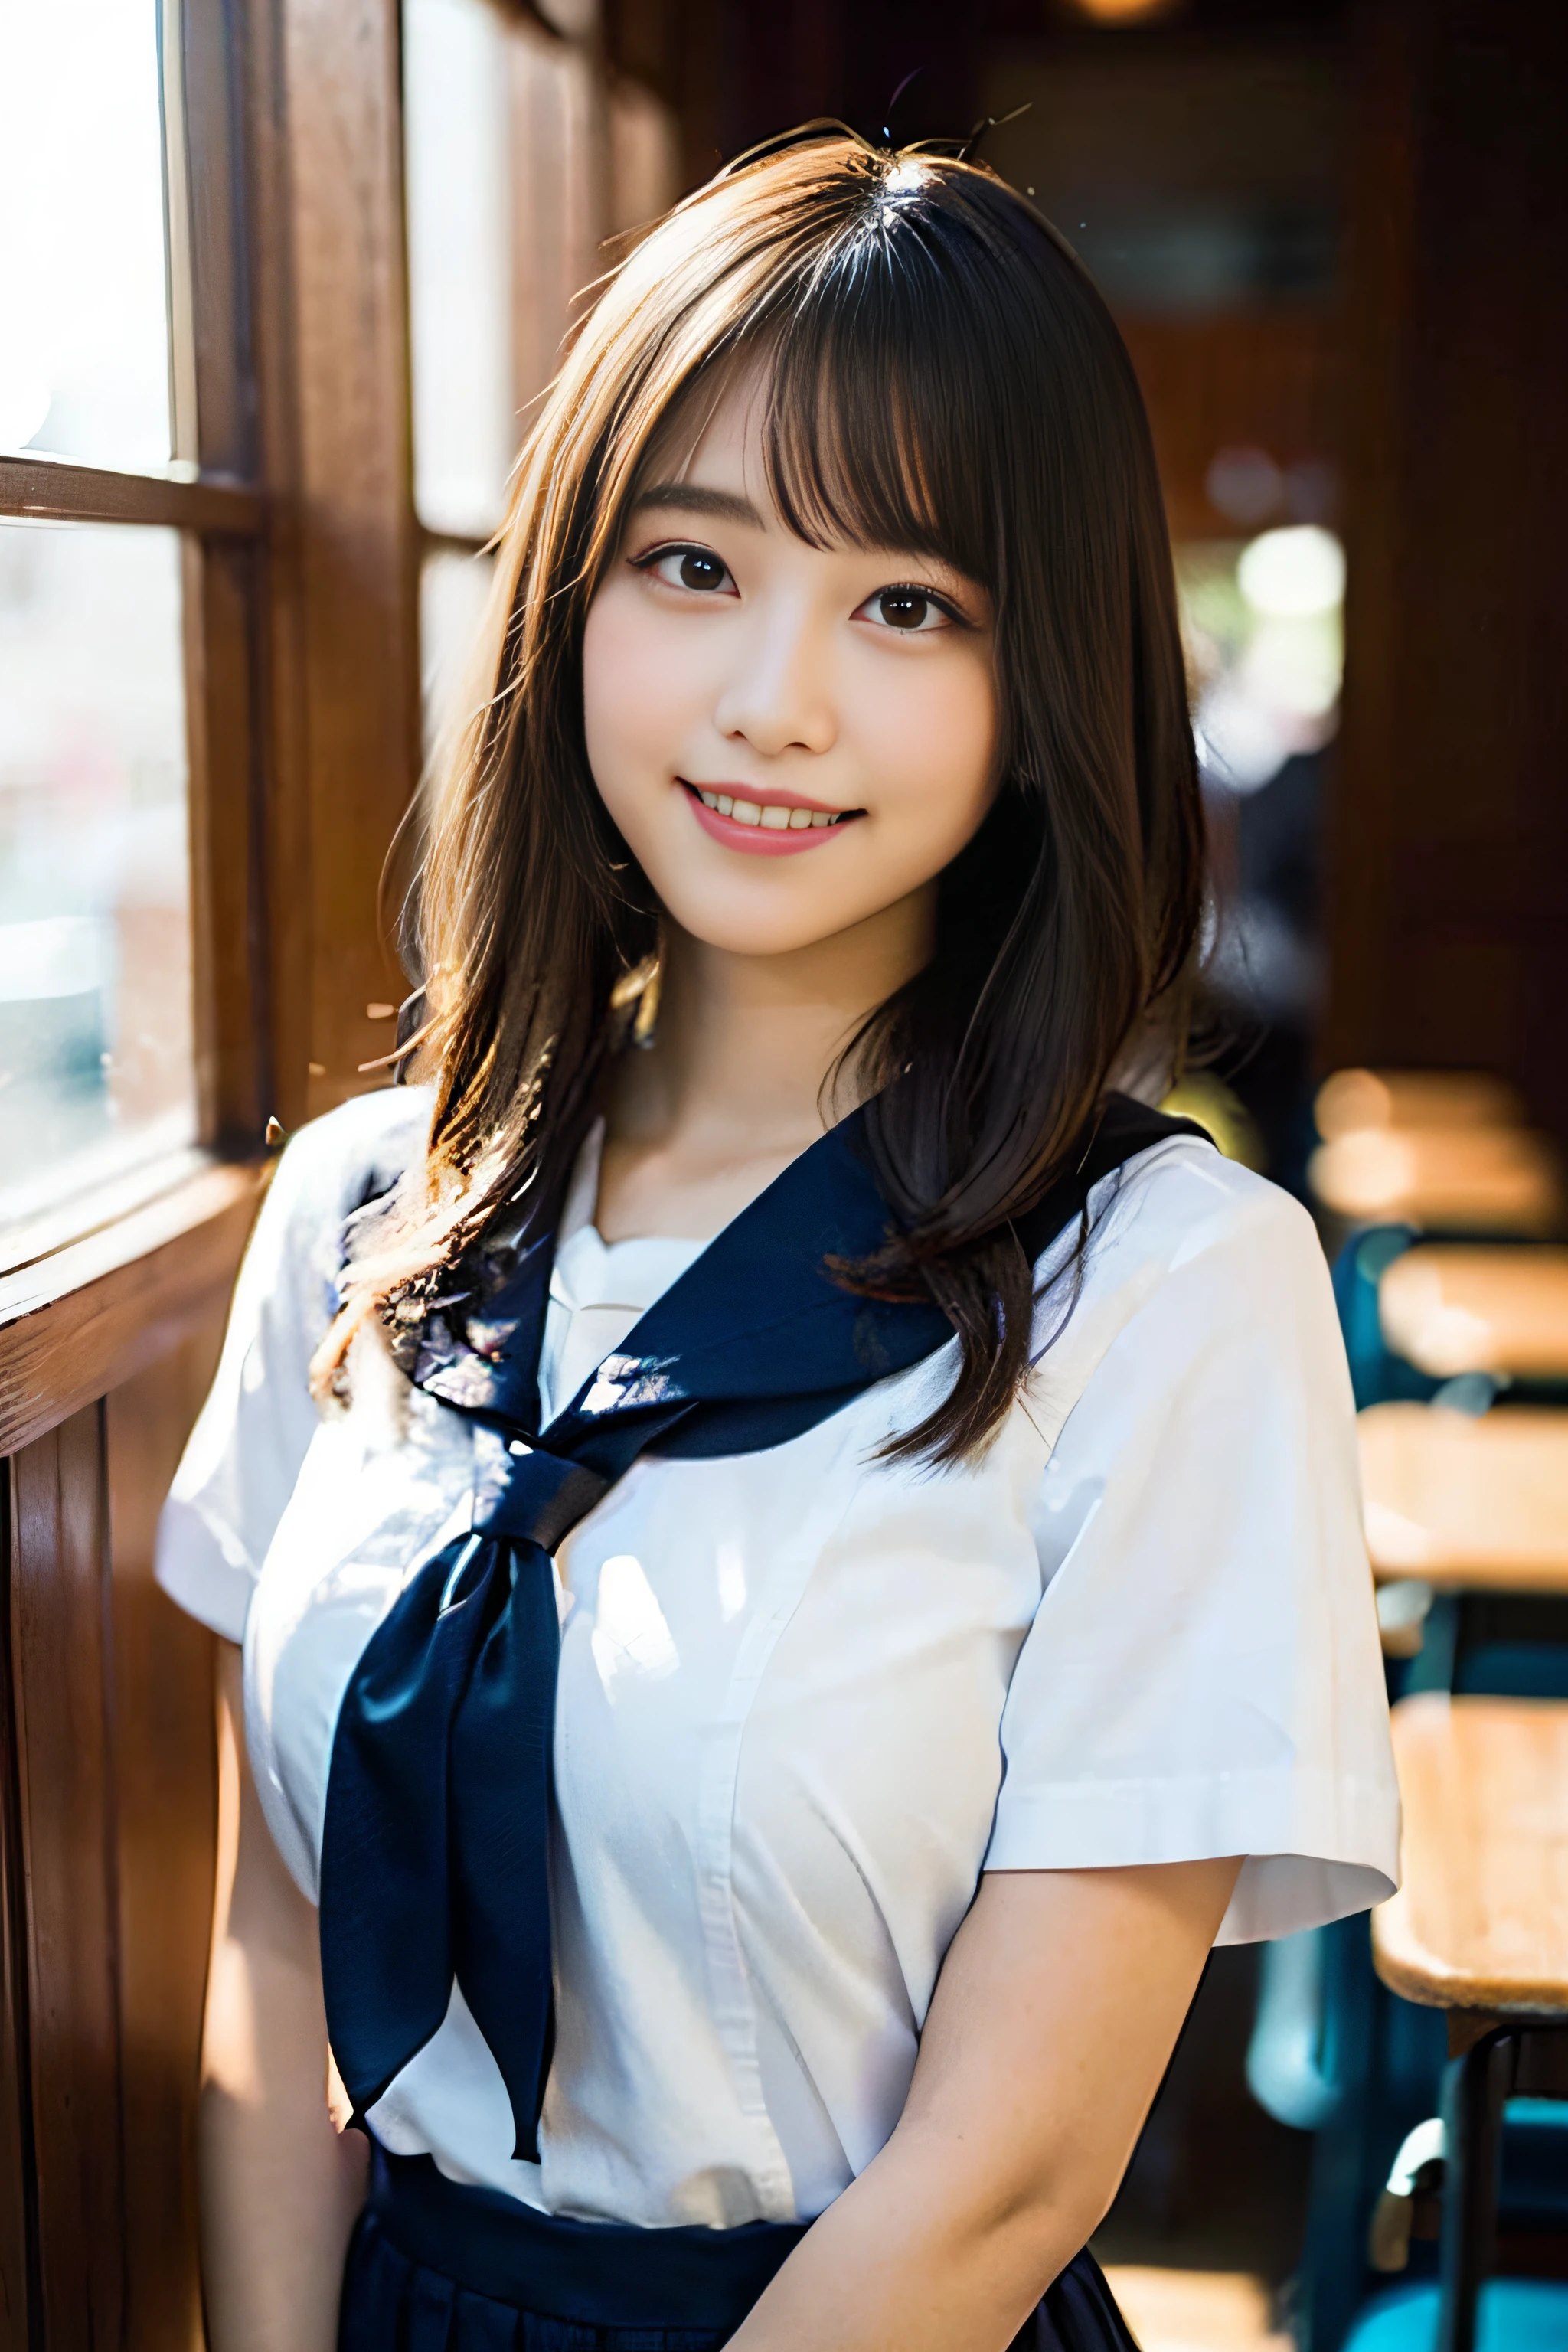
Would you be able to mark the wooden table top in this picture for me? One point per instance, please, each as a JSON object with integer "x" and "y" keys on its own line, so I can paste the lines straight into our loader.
{"x": 1481, "y": 1919}
{"x": 1466, "y": 1306}
{"x": 1462, "y": 1502}
{"x": 1488, "y": 1180}
{"x": 1352, "y": 1099}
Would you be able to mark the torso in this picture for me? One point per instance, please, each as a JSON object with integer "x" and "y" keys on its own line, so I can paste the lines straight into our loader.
{"x": 782, "y": 1727}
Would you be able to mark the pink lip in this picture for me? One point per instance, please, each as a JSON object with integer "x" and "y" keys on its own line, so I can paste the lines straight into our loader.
{"x": 751, "y": 838}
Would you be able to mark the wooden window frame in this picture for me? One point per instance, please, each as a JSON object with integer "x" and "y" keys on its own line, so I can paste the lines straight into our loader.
{"x": 291, "y": 486}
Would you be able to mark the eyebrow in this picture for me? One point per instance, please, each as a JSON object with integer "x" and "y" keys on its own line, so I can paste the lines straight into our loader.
{"x": 688, "y": 498}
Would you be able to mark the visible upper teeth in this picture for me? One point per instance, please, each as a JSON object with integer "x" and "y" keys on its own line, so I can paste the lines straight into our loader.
{"x": 778, "y": 816}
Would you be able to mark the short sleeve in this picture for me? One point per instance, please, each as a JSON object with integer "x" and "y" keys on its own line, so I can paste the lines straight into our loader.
{"x": 244, "y": 1455}
{"x": 1203, "y": 1675}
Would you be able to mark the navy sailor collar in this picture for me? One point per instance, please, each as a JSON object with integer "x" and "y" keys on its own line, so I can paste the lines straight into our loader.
{"x": 758, "y": 1319}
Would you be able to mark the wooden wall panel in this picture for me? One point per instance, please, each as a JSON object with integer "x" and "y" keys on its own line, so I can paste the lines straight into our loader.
{"x": 18, "y": 2219}
{"x": 59, "y": 1648}
{"x": 86, "y": 1318}
{"x": 165, "y": 1786}
{"x": 1268, "y": 380}
{"x": 1449, "y": 828}
{"x": 108, "y": 1836}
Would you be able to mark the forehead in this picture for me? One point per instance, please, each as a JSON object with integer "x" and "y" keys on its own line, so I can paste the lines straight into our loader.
{"x": 716, "y": 429}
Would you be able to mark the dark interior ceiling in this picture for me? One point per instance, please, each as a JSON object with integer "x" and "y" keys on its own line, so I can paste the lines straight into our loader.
{"x": 737, "y": 72}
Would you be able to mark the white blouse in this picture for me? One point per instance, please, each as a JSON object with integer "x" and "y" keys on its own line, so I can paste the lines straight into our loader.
{"x": 805, "y": 1696}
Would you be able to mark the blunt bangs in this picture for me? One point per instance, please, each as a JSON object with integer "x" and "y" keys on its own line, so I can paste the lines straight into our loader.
{"x": 879, "y": 432}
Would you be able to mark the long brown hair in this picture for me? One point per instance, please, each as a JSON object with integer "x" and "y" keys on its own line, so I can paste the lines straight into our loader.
{"x": 942, "y": 377}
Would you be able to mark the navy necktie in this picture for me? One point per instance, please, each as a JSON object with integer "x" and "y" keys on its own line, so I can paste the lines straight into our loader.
{"x": 434, "y": 1849}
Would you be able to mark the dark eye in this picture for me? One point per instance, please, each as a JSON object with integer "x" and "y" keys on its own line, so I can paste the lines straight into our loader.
{"x": 697, "y": 569}
{"x": 903, "y": 608}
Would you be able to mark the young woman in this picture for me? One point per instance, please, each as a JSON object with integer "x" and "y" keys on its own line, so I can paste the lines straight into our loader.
{"x": 825, "y": 1572}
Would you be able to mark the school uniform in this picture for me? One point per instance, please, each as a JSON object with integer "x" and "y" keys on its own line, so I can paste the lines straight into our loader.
{"x": 802, "y": 1698}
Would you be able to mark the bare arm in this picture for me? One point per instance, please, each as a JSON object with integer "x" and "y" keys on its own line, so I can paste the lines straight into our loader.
{"x": 279, "y": 2189}
{"x": 1056, "y": 2011}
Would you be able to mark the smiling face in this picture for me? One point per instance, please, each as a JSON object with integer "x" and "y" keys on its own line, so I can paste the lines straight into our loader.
{"x": 792, "y": 740}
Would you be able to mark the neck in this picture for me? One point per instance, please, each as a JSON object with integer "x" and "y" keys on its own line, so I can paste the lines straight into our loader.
{"x": 754, "y": 1039}
{"x": 735, "y": 1083}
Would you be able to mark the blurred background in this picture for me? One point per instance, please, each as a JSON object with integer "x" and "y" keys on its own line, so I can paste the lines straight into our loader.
{"x": 1333, "y": 232}
{"x": 1335, "y": 235}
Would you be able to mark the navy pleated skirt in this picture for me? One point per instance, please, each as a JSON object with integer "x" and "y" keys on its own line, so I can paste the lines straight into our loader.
{"x": 438, "y": 2267}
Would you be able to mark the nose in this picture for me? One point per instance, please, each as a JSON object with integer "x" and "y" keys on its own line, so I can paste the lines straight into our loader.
{"x": 778, "y": 696}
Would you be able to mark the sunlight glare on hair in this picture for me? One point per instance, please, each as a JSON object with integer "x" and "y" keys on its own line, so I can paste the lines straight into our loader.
{"x": 907, "y": 176}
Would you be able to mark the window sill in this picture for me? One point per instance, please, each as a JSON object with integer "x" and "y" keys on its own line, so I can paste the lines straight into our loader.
{"x": 76, "y": 1322}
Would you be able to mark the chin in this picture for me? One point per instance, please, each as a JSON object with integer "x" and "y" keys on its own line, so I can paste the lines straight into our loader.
{"x": 749, "y": 931}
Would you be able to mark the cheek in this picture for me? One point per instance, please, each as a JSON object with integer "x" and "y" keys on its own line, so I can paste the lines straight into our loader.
{"x": 936, "y": 742}
{"x": 636, "y": 692}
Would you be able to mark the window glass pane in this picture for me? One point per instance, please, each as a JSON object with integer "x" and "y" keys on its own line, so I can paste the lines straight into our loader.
{"x": 84, "y": 351}
{"x": 452, "y": 592}
{"x": 456, "y": 107}
{"x": 510, "y": 154}
{"x": 95, "y": 958}
{"x": 1263, "y": 625}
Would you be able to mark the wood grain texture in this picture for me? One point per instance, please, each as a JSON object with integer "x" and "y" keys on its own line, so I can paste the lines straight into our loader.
{"x": 237, "y": 767}
{"x": 223, "y": 599}
{"x": 1466, "y": 1503}
{"x": 52, "y": 490}
{"x": 357, "y": 645}
{"x": 209, "y": 190}
{"x": 19, "y": 2297}
{"x": 81, "y": 1321}
{"x": 278, "y": 710}
{"x": 1481, "y": 1919}
{"x": 165, "y": 1784}
{"x": 1452, "y": 1308}
{"x": 59, "y": 1647}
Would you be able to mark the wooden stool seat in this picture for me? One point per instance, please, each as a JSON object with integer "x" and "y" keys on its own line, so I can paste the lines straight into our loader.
{"x": 1458, "y": 1501}
{"x": 1452, "y": 1307}
{"x": 1480, "y": 1921}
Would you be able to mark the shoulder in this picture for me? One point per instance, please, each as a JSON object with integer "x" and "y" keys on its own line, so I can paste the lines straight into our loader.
{"x": 1189, "y": 1255}
{"x": 1184, "y": 1200}
{"x": 260, "y": 1421}
{"x": 331, "y": 1168}
{"x": 345, "y": 1158}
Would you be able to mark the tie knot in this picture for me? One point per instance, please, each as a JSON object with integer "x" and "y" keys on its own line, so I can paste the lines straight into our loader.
{"x": 534, "y": 1496}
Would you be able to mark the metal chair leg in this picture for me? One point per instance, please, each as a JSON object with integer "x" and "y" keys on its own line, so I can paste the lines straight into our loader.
{"x": 1474, "y": 2089}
